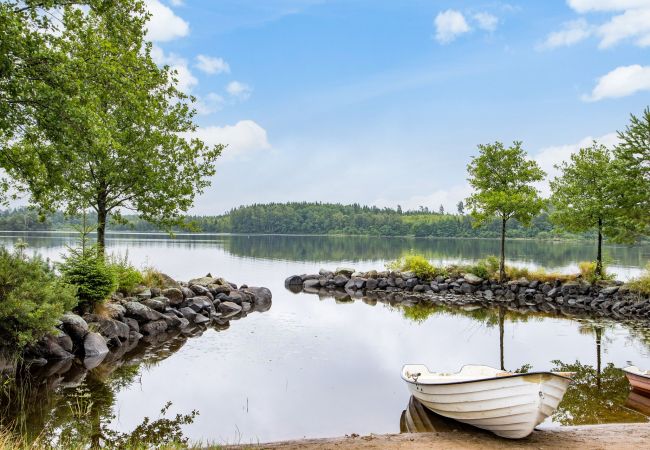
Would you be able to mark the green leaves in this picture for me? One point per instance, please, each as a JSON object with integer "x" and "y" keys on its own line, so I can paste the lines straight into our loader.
{"x": 502, "y": 179}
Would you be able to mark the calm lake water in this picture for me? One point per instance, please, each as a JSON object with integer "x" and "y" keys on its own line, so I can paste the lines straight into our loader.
{"x": 312, "y": 367}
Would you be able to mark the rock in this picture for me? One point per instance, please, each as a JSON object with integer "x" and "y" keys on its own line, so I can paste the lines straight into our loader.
{"x": 217, "y": 289}
{"x": 199, "y": 303}
{"x": 201, "y": 290}
{"x": 94, "y": 345}
{"x": 467, "y": 288}
{"x": 203, "y": 281}
{"x": 63, "y": 340}
{"x": 168, "y": 282}
{"x": 75, "y": 326}
{"x": 188, "y": 313}
{"x": 115, "y": 310}
{"x": 293, "y": 280}
{"x": 229, "y": 308}
{"x": 141, "y": 313}
{"x": 554, "y": 292}
{"x": 325, "y": 273}
{"x": 132, "y": 324}
{"x": 262, "y": 298}
{"x": 174, "y": 295}
{"x": 371, "y": 284}
{"x": 157, "y": 303}
{"x": 472, "y": 279}
{"x": 144, "y": 294}
{"x": 187, "y": 292}
{"x": 418, "y": 288}
{"x": 610, "y": 290}
{"x": 172, "y": 321}
{"x": 110, "y": 328}
{"x": 345, "y": 271}
{"x": 153, "y": 328}
{"x": 411, "y": 283}
{"x": 200, "y": 319}
{"x": 48, "y": 347}
{"x": 340, "y": 280}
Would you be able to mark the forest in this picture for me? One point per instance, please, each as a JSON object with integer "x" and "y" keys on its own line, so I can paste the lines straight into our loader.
{"x": 306, "y": 218}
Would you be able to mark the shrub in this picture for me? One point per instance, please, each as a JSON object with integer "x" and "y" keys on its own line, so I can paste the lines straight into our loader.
{"x": 87, "y": 269}
{"x": 641, "y": 284}
{"x": 485, "y": 268}
{"x": 588, "y": 272}
{"x": 32, "y": 298}
{"x": 127, "y": 276}
{"x": 418, "y": 265}
{"x": 153, "y": 278}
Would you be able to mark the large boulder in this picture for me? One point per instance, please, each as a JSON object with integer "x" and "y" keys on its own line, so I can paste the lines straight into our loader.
{"x": 110, "y": 329}
{"x": 157, "y": 303}
{"x": 94, "y": 345}
{"x": 344, "y": 271}
{"x": 188, "y": 313}
{"x": 204, "y": 281}
{"x": 153, "y": 328}
{"x": 48, "y": 347}
{"x": 141, "y": 313}
{"x": 293, "y": 280}
{"x": 199, "y": 303}
{"x": 340, "y": 280}
{"x": 174, "y": 295}
{"x": 229, "y": 308}
{"x": 75, "y": 327}
{"x": 115, "y": 310}
{"x": 472, "y": 279}
{"x": 168, "y": 282}
{"x": 261, "y": 296}
{"x": 200, "y": 319}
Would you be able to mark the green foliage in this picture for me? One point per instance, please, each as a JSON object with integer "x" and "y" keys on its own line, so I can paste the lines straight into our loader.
{"x": 502, "y": 179}
{"x": 418, "y": 265}
{"x": 85, "y": 267}
{"x": 127, "y": 136}
{"x": 485, "y": 268}
{"x": 632, "y": 167}
{"x": 32, "y": 298}
{"x": 126, "y": 275}
{"x": 642, "y": 283}
{"x": 589, "y": 272}
{"x": 153, "y": 278}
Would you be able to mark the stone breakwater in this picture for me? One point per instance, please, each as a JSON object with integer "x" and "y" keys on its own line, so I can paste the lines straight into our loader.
{"x": 605, "y": 299}
{"x": 152, "y": 315}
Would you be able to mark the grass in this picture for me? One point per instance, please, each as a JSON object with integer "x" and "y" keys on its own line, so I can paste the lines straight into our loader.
{"x": 488, "y": 268}
{"x": 152, "y": 278}
{"x": 641, "y": 284}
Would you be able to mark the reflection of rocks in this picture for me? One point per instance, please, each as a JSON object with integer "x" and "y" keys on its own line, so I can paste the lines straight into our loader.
{"x": 572, "y": 298}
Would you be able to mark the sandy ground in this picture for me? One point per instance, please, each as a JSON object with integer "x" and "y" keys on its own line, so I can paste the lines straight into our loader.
{"x": 624, "y": 436}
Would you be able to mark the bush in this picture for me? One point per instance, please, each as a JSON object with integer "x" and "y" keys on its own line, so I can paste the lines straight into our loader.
{"x": 641, "y": 285}
{"x": 32, "y": 298}
{"x": 127, "y": 276}
{"x": 87, "y": 269}
{"x": 485, "y": 268}
{"x": 153, "y": 278}
{"x": 588, "y": 272}
{"x": 418, "y": 265}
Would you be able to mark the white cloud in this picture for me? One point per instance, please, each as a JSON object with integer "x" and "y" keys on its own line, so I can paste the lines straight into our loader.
{"x": 548, "y": 157}
{"x": 621, "y": 82}
{"x": 571, "y": 33}
{"x": 583, "y": 6}
{"x": 177, "y": 2}
{"x": 240, "y": 90}
{"x": 164, "y": 25}
{"x": 186, "y": 79}
{"x": 449, "y": 25}
{"x": 209, "y": 104}
{"x": 212, "y": 65}
{"x": 244, "y": 137}
{"x": 632, "y": 24}
{"x": 486, "y": 21}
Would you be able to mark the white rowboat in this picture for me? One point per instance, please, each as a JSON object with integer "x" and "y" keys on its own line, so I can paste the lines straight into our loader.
{"x": 508, "y": 404}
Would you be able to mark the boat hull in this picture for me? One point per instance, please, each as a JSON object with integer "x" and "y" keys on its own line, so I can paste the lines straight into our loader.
{"x": 508, "y": 406}
{"x": 638, "y": 381}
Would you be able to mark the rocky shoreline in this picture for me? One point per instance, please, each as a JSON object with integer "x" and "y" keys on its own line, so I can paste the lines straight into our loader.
{"x": 611, "y": 299}
{"x": 152, "y": 315}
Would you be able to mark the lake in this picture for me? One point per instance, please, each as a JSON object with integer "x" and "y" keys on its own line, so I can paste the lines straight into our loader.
{"x": 315, "y": 367}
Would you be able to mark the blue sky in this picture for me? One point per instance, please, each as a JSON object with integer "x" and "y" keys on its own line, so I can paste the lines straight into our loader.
{"x": 384, "y": 102}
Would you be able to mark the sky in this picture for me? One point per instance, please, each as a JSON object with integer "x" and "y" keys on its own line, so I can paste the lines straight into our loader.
{"x": 384, "y": 102}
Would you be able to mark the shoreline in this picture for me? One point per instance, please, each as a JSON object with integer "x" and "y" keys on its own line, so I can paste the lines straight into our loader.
{"x": 611, "y": 436}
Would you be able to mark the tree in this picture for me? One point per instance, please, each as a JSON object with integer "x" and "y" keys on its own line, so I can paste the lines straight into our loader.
{"x": 632, "y": 164}
{"x": 30, "y": 81}
{"x": 584, "y": 198}
{"x": 460, "y": 207}
{"x": 441, "y": 210}
{"x": 127, "y": 147}
{"x": 502, "y": 180}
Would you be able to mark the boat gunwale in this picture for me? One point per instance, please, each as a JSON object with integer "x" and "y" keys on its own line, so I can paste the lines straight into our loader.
{"x": 628, "y": 370}
{"x": 502, "y": 377}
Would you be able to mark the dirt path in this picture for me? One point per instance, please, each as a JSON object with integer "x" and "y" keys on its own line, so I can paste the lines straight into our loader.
{"x": 606, "y": 437}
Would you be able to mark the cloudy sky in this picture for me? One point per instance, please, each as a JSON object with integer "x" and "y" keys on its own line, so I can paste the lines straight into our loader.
{"x": 383, "y": 102}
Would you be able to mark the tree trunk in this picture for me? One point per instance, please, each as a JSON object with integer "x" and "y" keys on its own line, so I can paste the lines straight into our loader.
{"x": 502, "y": 262}
{"x": 599, "y": 257}
{"x": 598, "y": 358}
{"x": 102, "y": 215}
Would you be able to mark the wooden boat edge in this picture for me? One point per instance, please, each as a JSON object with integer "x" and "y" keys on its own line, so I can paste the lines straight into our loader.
{"x": 563, "y": 375}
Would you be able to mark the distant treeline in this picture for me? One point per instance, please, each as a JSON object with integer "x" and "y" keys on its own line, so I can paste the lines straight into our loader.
{"x": 305, "y": 218}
